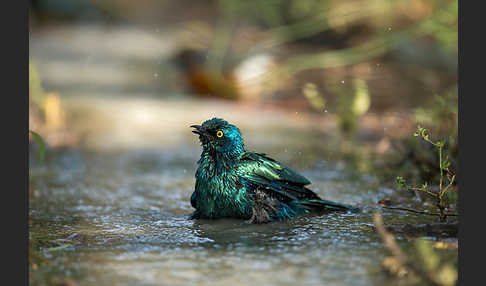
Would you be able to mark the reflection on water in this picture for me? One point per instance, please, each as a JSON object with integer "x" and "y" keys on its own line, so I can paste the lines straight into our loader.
{"x": 121, "y": 218}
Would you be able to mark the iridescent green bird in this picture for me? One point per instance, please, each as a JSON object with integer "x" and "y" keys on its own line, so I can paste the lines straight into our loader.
{"x": 232, "y": 182}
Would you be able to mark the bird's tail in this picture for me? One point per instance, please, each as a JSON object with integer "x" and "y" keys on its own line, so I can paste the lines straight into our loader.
{"x": 325, "y": 205}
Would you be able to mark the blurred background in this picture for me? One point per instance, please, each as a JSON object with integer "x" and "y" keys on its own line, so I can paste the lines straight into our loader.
{"x": 373, "y": 67}
{"x": 333, "y": 88}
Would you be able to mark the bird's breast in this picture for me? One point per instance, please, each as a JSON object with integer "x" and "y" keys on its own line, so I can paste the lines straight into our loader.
{"x": 220, "y": 195}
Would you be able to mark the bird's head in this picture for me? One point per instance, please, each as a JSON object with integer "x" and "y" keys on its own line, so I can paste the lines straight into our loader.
{"x": 219, "y": 137}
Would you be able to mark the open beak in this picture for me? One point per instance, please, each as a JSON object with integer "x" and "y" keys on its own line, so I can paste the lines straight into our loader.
{"x": 198, "y": 129}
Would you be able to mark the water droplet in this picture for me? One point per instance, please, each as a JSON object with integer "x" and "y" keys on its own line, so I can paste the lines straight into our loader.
{"x": 342, "y": 81}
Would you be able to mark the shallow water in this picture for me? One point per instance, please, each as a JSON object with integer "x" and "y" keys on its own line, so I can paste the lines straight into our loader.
{"x": 118, "y": 216}
{"x": 113, "y": 210}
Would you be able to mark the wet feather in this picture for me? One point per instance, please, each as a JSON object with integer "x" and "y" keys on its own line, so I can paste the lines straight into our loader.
{"x": 237, "y": 183}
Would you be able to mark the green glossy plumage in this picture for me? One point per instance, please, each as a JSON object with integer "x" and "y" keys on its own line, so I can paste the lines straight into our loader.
{"x": 233, "y": 182}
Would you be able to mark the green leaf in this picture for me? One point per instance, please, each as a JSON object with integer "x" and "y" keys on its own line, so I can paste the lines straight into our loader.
{"x": 424, "y": 186}
{"x": 39, "y": 141}
{"x": 445, "y": 164}
{"x": 423, "y": 132}
{"x": 400, "y": 181}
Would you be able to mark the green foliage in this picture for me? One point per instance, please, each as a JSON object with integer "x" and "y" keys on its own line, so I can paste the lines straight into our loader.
{"x": 312, "y": 94}
{"x": 416, "y": 159}
{"x": 362, "y": 101}
{"x": 441, "y": 114}
{"x": 353, "y": 102}
{"x": 447, "y": 177}
{"x": 444, "y": 26}
{"x": 40, "y": 142}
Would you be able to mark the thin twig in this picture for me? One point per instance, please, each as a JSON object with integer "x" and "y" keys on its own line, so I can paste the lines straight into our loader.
{"x": 421, "y": 190}
{"x": 449, "y": 185}
{"x": 418, "y": 211}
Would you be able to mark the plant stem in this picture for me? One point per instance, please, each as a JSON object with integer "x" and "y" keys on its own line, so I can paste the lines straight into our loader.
{"x": 422, "y": 190}
{"x": 441, "y": 170}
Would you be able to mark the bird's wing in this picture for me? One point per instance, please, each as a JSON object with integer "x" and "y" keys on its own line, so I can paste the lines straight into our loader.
{"x": 269, "y": 174}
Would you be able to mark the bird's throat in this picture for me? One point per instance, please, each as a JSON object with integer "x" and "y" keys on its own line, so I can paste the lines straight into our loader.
{"x": 218, "y": 161}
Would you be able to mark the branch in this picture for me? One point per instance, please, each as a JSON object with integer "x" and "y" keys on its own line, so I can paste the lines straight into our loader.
{"x": 448, "y": 186}
{"x": 395, "y": 250}
{"x": 417, "y": 211}
{"x": 423, "y": 189}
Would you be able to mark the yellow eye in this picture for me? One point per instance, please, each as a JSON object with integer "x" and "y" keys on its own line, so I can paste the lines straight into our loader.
{"x": 219, "y": 133}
